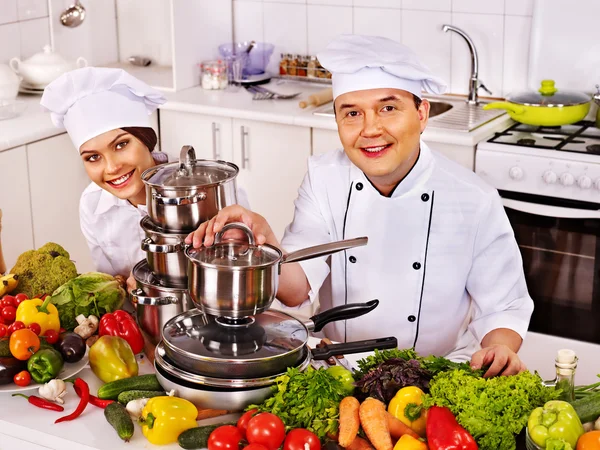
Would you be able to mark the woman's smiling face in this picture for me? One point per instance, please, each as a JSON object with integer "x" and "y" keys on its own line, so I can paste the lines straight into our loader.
{"x": 115, "y": 161}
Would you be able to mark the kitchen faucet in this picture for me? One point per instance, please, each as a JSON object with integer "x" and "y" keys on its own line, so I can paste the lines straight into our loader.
{"x": 474, "y": 83}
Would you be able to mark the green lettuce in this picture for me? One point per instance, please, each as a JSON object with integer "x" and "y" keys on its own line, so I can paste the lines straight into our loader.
{"x": 90, "y": 293}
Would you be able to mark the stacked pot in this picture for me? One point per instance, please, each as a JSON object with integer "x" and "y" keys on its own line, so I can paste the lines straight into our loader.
{"x": 180, "y": 196}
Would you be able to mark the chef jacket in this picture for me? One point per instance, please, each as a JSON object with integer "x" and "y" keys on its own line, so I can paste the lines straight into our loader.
{"x": 441, "y": 259}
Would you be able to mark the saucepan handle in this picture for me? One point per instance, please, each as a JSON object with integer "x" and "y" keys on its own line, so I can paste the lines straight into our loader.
{"x": 235, "y": 226}
{"x": 343, "y": 312}
{"x": 324, "y": 249}
{"x": 329, "y": 350}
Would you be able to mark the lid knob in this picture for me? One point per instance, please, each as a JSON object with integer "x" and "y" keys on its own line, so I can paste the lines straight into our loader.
{"x": 548, "y": 88}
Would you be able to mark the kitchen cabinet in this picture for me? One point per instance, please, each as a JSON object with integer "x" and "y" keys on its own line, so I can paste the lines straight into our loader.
{"x": 462, "y": 154}
{"x": 56, "y": 180}
{"x": 209, "y": 135}
{"x": 324, "y": 141}
{"x": 17, "y": 230}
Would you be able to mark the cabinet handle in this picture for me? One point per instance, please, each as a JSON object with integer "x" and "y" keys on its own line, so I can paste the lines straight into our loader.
{"x": 245, "y": 156}
{"x": 216, "y": 135}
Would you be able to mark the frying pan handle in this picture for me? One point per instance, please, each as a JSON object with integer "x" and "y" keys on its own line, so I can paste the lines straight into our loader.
{"x": 343, "y": 312}
{"x": 327, "y": 351}
{"x": 324, "y": 249}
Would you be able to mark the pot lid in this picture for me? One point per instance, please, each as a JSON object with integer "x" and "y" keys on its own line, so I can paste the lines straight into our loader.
{"x": 151, "y": 228}
{"x": 207, "y": 338}
{"x": 142, "y": 274}
{"x": 548, "y": 95}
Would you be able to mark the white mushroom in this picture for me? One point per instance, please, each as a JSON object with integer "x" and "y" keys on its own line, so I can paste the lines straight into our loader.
{"x": 87, "y": 326}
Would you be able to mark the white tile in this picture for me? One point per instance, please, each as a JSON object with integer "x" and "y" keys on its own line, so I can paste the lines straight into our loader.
{"x": 369, "y": 21}
{"x": 518, "y": 7}
{"x": 486, "y": 31}
{"x": 517, "y": 30}
{"x": 330, "y": 2}
{"x": 394, "y": 4}
{"x": 303, "y": 2}
{"x": 478, "y": 6}
{"x": 8, "y": 11}
{"x": 248, "y": 20}
{"x": 428, "y": 5}
{"x": 422, "y": 32}
{"x": 325, "y": 23}
{"x": 32, "y": 9}
{"x": 35, "y": 34}
{"x": 285, "y": 27}
{"x": 11, "y": 43}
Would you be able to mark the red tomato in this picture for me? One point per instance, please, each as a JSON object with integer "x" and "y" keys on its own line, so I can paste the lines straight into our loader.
{"x": 51, "y": 337}
{"x": 22, "y": 378}
{"x": 18, "y": 325}
{"x": 226, "y": 437}
{"x": 3, "y": 330}
{"x": 35, "y": 328}
{"x": 299, "y": 437}
{"x": 266, "y": 429}
{"x": 9, "y": 313}
{"x": 19, "y": 298}
{"x": 7, "y": 300}
{"x": 242, "y": 423}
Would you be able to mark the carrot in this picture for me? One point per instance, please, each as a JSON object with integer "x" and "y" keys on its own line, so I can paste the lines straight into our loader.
{"x": 359, "y": 444}
{"x": 398, "y": 428}
{"x": 374, "y": 422}
{"x": 349, "y": 420}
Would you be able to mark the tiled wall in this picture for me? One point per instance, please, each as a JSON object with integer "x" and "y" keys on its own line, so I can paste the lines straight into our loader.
{"x": 24, "y": 28}
{"x": 499, "y": 28}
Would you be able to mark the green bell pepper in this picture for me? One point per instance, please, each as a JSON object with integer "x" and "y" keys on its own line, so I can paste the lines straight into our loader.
{"x": 555, "y": 426}
{"x": 44, "y": 365}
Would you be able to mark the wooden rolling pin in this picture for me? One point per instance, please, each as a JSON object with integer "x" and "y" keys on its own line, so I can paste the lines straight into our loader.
{"x": 318, "y": 98}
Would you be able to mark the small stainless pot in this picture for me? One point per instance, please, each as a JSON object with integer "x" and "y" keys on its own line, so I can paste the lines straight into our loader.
{"x": 156, "y": 304}
{"x": 236, "y": 279}
{"x": 164, "y": 253}
{"x": 182, "y": 195}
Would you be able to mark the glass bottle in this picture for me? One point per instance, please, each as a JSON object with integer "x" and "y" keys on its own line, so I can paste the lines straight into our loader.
{"x": 565, "y": 363}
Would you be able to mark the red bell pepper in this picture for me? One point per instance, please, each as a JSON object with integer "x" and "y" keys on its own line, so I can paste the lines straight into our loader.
{"x": 121, "y": 324}
{"x": 445, "y": 433}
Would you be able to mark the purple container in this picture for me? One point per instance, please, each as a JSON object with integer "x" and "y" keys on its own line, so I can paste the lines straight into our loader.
{"x": 258, "y": 58}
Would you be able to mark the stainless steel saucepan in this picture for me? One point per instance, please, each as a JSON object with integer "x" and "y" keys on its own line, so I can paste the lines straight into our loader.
{"x": 239, "y": 279}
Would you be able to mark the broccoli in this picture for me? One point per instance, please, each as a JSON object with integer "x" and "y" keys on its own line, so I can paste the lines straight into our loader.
{"x": 42, "y": 271}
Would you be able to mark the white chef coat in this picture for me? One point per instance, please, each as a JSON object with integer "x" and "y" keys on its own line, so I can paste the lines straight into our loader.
{"x": 442, "y": 258}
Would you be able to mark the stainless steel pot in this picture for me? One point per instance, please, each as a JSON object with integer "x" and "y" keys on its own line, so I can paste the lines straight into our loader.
{"x": 156, "y": 304}
{"x": 182, "y": 195}
{"x": 164, "y": 253}
{"x": 257, "y": 347}
{"x": 237, "y": 279}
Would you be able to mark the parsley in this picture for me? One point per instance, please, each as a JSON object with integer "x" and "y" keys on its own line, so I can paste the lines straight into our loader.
{"x": 308, "y": 399}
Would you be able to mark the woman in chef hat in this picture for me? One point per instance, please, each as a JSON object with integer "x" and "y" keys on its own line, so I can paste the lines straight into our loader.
{"x": 107, "y": 115}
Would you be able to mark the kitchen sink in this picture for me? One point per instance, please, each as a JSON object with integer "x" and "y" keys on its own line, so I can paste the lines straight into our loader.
{"x": 449, "y": 113}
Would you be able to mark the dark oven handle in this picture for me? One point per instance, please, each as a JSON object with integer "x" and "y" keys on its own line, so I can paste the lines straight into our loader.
{"x": 550, "y": 210}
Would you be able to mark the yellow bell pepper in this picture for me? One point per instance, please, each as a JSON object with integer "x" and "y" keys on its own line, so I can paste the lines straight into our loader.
{"x": 407, "y": 407}
{"x": 39, "y": 311}
{"x": 111, "y": 358}
{"x": 407, "y": 442}
{"x": 165, "y": 418}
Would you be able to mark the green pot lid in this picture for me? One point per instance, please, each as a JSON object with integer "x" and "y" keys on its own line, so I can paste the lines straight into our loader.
{"x": 548, "y": 95}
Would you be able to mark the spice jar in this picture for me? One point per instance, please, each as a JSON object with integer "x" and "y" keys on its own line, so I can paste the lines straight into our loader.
{"x": 302, "y": 64}
{"x": 283, "y": 64}
{"x": 292, "y": 65}
{"x": 213, "y": 74}
{"x": 311, "y": 67}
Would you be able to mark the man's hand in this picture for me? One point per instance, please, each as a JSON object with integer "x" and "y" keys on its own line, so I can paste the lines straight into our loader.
{"x": 501, "y": 359}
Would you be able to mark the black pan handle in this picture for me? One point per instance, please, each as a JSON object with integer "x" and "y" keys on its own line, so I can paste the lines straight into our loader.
{"x": 329, "y": 350}
{"x": 344, "y": 312}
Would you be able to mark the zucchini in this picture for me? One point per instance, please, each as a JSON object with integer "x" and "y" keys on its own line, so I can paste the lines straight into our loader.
{"x": 126, "y": 396}
{"x": 117, "y": 416}
{"x": 4, "y": 348}
{"x": 588, "y": 407}
{"x": 198, "y": 437}
{"x": 112, "y": 389}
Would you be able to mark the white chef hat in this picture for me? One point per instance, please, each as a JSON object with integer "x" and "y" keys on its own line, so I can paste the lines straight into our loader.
{"x": 90, "y": 101}
{"x": 371, "y": 62}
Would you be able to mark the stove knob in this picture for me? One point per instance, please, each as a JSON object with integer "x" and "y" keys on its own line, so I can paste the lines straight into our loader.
{"x": 516, "y": 173}
{"x": 549, "y": 177}
{"x": 584, "y": 182}
{"x": 567, "y": 179}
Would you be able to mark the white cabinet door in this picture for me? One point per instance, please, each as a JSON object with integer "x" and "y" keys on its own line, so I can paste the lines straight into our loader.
{"x": 17, "y": 230}
{"x": 324, "y": 141}
{"x": 57, "y": 179}
{"x": 209, "y": 135}
{"x": 273, "y": 160}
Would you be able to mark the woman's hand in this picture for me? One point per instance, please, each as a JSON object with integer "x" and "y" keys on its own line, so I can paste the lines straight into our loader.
{"x": 205, "y": 234}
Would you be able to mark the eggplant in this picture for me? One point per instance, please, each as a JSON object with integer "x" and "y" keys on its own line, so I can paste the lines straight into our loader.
{"x": 9, "y": 367}
{"x": 71, "y": 346}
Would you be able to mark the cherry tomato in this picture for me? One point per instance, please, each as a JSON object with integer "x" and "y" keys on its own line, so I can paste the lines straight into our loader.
{"x": 242, "y": 423}
{"x": 22, "y": 378}
{"x": 23, "y": 343}
{"x": 18, "y": 325}
{"x": 19, "y": 298}
{"x": 266, "y": 429}
{"x": 35, "y": 328}
{"x": 299, "y": 437}
{"x": 9, "y": 313}
{"x": 226, "y": 437}
{"x": 51, "y": 337}
{"x": 3, "y": 330}
{"x": 7, "y": 300}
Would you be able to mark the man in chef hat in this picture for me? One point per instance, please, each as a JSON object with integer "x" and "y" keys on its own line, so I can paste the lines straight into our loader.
{"x": 442, "y": 258}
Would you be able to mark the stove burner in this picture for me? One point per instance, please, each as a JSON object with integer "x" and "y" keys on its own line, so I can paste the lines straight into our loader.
{"x": 526, "y": 141}
{"x": 593, "y": 148}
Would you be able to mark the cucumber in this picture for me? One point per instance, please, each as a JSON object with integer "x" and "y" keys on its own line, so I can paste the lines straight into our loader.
{"x": 126, "y": 396}
{"x": 112, "y": 389}
{"x": 117, "y": 416}
{"x": 198, "y": 437}
{"x": 587, "y": 408}
{"x": 4, "y": 348}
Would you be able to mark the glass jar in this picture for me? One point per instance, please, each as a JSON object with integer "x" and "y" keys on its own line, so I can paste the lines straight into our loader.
{"x": 311, "y": 67}
{"x": 302, "y": 65}
{"x": 292, "y": 65}
{"x": 213, "y": 74}
{"x": 283, "y": 64}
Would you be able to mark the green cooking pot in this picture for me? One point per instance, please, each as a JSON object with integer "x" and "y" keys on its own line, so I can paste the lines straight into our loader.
{"x": 547, "y": 107}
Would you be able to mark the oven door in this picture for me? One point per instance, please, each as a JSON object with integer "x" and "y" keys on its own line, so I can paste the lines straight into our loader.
{"x": 560, "y": 246}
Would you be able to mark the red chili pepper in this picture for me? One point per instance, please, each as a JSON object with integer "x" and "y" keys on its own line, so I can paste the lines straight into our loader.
{"x": 41, "y": 403}
{"x": 83, "y": 402}
{"x": 122, "y": 324}
{"x": 444, "y": 432}
{"x": 93, "y": 399}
